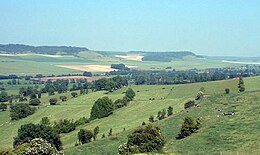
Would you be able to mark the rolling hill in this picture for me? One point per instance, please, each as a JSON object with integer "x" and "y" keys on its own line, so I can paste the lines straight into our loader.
{"x": 214, "y": 136}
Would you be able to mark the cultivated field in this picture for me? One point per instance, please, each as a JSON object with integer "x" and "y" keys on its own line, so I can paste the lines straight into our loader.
{"x": 89, "y": 68}
{"x": 130, "y": 57}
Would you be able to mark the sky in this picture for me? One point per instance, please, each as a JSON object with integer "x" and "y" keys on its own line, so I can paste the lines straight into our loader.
{"x": 206, "y": 27}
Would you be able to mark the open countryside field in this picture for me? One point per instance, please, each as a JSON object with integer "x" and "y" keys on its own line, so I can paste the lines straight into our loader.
{"x": 94, "y": 62}
{"x": 128, "y": 117}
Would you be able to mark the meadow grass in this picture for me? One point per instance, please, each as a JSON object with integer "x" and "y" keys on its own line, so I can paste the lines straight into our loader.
{"x": 128, "y": 117}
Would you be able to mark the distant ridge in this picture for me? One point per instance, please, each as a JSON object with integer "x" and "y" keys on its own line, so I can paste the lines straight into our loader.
{"x": 163, "y": 56}
{"x": 20, "y": 48}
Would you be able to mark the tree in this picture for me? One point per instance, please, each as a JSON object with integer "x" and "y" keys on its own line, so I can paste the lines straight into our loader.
{"x": 189, "y": 104}
{"x": 53, "y": 101}
{"x": 85, "y": 136}
{"x": 110, "y": 132}
{"x": 169, "y": 111}
{"x": 88, "y": 74}
{"x": 21, "y": 110}
{"x": 227, "y": 90}
{"x": 3, "y": 107}
{"x": 188, "y": 127}
{"x": 45, "y": 121}
{"x": 146, "y": 139}
{"x": 130, "y": 94}
{"x": 74, "y": 94}
{"x": 241, "y": 85}
{"x": 28, "y": 132}
{"x": 34, "y": 102}
{"x": 103, "y": 107}
{"x": 95, "y": 132}
{"x": 3, "y": 96}
{"x": 161, "y": 114}
{"x": 151, "y": 119}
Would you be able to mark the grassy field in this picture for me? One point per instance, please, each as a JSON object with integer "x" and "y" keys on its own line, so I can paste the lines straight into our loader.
{"x": 236, "y": 134}
{"x": 131, "y": 116}
{"x": 37, "y": 64}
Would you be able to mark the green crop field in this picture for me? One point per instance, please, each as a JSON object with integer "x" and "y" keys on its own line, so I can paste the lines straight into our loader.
{"x": 131, "y": 116}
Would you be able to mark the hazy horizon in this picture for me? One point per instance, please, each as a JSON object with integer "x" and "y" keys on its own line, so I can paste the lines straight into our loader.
{"x": 215, "y": 28}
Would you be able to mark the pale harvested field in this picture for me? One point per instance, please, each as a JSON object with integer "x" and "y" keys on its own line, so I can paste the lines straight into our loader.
{"x": 90, "y": 68}
{"x": 66, "y": 78}
{"x": 130, "y": 57}
{"x": 241, "y": 62}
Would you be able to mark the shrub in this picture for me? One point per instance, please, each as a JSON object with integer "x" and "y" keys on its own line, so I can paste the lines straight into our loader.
{"x": 3, "y": 107}
{"x": 53, "y": 101}
{"x": 22, "y": 99}
{"x": 199, "y": 95}
{"x": 188, "y": 127}
{"x": 169, "y": 111}
{"x": 64, "y": 126}
{"x": 161, "y": 114}
{"x": 74, "y": 94}
{"x": 189, "y": 104}
{"x": 85, "y": 136}
{"x": 34, "y": 102}
{"x": 21, "y": 110}
{"x": 95, "y": 132}
{"x": 110, "y": 132}
{"x": 130, "y": 94}
{"x": 151, "y": 119}
{"x": 143, "y": 140}
{"x": 227, "y": 91}
{"x": 63, "y": 98}
{"x": 81, "y": 121}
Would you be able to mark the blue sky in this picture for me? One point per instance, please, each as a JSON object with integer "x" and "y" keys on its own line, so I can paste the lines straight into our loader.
{"x": 216, "y": 27}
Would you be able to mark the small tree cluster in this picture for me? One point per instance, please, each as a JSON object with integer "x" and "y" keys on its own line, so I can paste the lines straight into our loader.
{"x": 34, "y": 102}
{"x": 129, "y": 96}
{"x": 21, "y": 110}
{"x": 161, "y": 114}
{"x": 63, "y": 98}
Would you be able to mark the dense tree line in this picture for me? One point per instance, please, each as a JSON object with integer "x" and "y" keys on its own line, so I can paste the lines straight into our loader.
{"x": 110, "y": 84}
{"x": 20, "y": 48}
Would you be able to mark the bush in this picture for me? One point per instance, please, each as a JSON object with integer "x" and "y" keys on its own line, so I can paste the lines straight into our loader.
{"x": 64, "y": 126}
{"x": 161, "y": 114}
{"x": 151, "y": 119}
{"x": 227, "y": 91}
{"x": 143, "y": 140}
{"x": 130, "y": 94}
{"x": 81, "y": 121}
{"x": 34, "y": 102}
{"x": 63, "y": 98}
{"x": 21, "y": 110}
{"x": 3, "y": 107}
{"x": 189, "y": 104}
{"x": 169, "y": 111}
{"x": 95, "y": 132}
{"x": 103, "y": 107}
{"x": 85, "y": 136}
{"x": 53, "y": 101}
{"x": 74, "y": 94}
{"x": 188, "y": 127}
{"x": 22, "y": 99}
